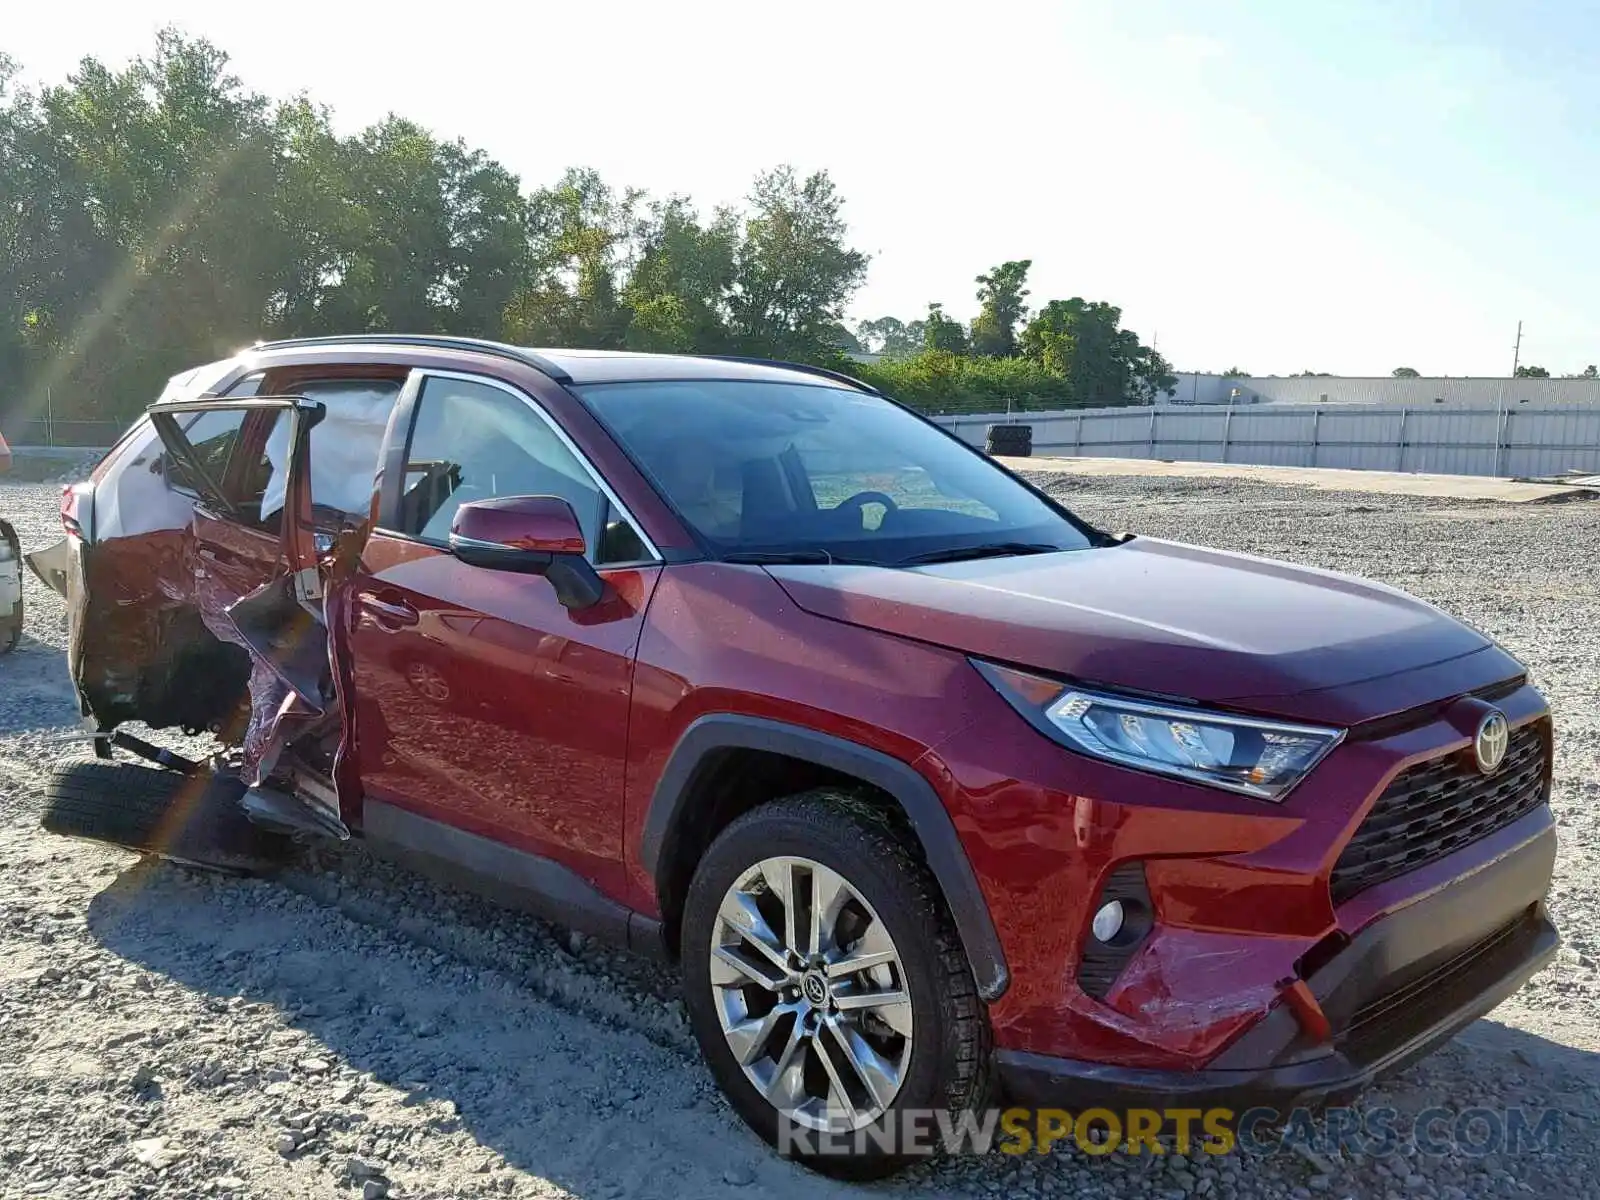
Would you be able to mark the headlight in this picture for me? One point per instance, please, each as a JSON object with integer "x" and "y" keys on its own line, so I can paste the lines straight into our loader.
{"x": 1258, "y": 758}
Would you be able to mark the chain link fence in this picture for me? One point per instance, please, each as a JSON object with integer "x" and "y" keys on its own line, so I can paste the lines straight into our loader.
{"x": 46, "y": 431}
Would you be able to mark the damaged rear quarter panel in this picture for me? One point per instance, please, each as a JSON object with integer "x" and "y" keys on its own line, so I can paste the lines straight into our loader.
{"x": 137, "y": 648}
{"x": 132, "y": 627}
{"x": 130, "y": 591}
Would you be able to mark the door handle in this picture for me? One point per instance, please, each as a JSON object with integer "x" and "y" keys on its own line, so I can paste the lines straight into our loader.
{"x": 392, "y": 614}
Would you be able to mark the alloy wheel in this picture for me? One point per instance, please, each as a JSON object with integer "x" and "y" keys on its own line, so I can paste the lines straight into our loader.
{"x": 811, "y": 994}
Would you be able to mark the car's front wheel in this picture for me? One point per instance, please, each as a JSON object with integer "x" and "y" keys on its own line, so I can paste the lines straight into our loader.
{"x": 827, "y": 986}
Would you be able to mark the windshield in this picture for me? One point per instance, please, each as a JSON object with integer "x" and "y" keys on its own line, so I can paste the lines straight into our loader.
{"x": 798, "y": 469}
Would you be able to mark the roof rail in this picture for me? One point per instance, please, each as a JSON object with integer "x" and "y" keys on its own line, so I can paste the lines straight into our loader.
{"x": 804, "y": 368}
{"x": 474, "y": 345}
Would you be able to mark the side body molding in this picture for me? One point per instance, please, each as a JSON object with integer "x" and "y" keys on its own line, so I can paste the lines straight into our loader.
{"x": 506, "y": 875}
{"x": 941, "y": 845}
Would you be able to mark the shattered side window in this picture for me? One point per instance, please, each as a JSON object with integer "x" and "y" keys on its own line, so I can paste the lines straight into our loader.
{"x": 213, "y": 435}
{"x": 216, "y": 460}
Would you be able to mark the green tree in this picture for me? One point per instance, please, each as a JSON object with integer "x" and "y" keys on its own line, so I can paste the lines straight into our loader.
{"x": 317, "y": 221}
{"x": 139, "y": 205}
{"x": 1236, "y": 373}
{"x": 581, "y": 234}
{"x": 392, "y": 229}
{"x": 1526, "y": 372}
{"x": 842, "y": 338}
{"x": 489, "y": 250}
{"x": 1104, "y": 364}
{"x": 1590, "y": 372}
{"x": 793, "y": 272}
{"x": 937, "y": 381}
{"x": 49, "y": 249}
{"x": 1407, "y": 373}
{"x": 890, "y": 336}
{"x": 678, "y": 291}
{"x": 942, "y": 333}
{"x": 1001, "y": 294}
{"x": 396, "y": 250}
{"x": 160, "y": 213}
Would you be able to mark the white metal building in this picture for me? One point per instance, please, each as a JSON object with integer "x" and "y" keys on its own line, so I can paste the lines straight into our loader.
{"x": 1518, "y": 440}
{"x": 1197, "y": 387}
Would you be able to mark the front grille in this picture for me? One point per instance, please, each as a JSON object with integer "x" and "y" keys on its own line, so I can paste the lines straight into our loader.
{"x": 1436, "y": 807}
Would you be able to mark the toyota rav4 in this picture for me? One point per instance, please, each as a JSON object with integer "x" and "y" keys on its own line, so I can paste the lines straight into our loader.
{"x": 927, "y": 783}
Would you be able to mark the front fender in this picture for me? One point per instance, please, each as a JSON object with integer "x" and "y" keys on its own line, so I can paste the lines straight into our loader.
{"x": 926, "y": 813}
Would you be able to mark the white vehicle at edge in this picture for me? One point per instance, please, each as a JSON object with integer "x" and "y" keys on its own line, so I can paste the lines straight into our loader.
{"x": 10, "y": 589}
{"x": 10, "y": 574}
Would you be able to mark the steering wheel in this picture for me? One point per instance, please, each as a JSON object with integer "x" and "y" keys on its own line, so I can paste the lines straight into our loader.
{"x": 861, "y": 499}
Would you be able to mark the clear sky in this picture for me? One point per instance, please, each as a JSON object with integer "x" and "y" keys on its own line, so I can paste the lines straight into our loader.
{"x": 1334, "y": 185}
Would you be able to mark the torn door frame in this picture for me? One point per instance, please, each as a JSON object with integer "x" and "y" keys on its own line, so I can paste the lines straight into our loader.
{"x": 295, "y": 684}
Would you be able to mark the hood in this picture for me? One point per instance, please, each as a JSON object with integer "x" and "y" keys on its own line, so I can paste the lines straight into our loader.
{"x": 1154, "y": 616}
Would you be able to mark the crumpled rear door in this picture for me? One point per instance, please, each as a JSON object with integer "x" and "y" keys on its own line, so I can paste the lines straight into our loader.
{"x": 298, "y": 532}
{"x": 282, "y": 623}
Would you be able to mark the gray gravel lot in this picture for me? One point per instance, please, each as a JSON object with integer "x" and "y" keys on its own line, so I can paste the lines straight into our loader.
{"x": 350, "y": 1029}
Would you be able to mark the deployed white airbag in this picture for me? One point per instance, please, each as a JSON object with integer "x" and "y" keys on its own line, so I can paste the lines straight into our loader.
{"x": 344, "y": 447}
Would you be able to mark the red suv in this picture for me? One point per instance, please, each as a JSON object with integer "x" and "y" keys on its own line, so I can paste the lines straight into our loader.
{"x": 924, "y": 780}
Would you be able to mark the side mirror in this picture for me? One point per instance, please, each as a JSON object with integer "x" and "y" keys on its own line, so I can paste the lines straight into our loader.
{"x": 530, "y": 535}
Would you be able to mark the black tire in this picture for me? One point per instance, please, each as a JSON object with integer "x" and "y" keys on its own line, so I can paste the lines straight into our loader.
{"x": 194, "y": 819}
{"x": 1010, "y": 441}
{"x": 949, "y": 1066}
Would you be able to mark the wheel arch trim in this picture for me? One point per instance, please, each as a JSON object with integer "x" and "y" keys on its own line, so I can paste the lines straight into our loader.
{"x": 930, "y": 821}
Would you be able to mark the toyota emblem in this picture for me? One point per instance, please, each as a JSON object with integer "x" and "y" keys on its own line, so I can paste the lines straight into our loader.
{"x": 1494, "y": 735}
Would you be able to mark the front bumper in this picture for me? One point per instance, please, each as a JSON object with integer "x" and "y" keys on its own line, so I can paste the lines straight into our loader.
{"x": 1405, "y": 984}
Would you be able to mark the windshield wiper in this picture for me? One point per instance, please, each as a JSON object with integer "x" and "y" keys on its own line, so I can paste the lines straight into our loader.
{"x": 779, "y": 558}
{"x": 986, "y": 550}
{"x": 806, "y": 557}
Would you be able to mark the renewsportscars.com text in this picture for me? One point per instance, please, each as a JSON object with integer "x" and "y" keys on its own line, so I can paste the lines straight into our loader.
{"x": 1374, "y": 1132}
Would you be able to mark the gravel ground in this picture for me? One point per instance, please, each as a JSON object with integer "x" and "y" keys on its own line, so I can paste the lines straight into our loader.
{"x": 350, "y": 1029}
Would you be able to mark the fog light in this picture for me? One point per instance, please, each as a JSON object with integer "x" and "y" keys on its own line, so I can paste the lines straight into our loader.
{"x": 1107, "y": 922}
